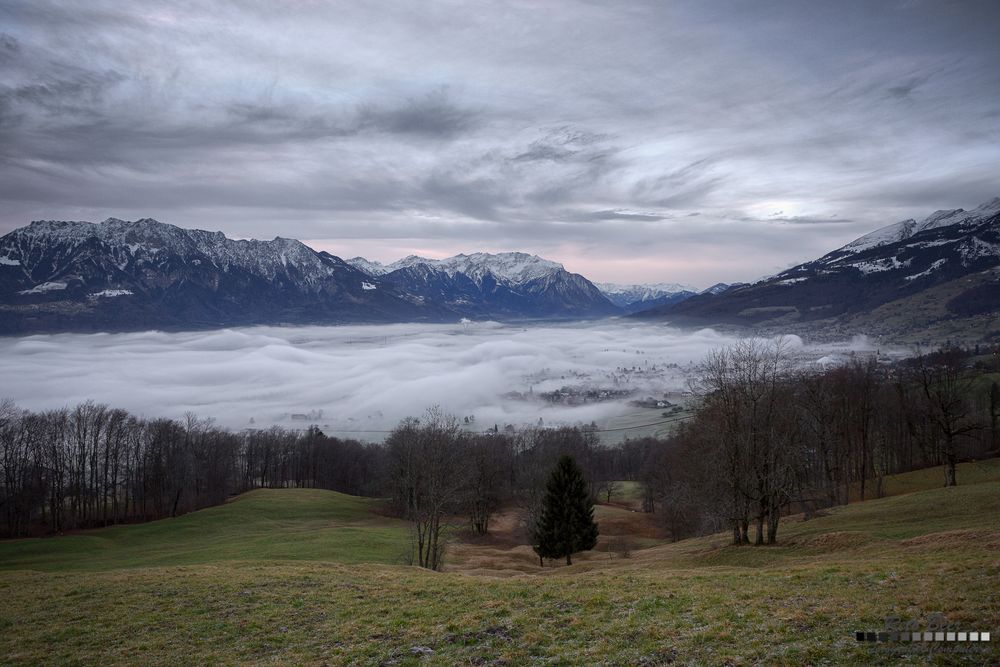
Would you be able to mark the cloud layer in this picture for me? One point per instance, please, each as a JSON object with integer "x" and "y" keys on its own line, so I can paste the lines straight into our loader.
{"x": 683, "y": 141}
{"x": 362, "y": 377}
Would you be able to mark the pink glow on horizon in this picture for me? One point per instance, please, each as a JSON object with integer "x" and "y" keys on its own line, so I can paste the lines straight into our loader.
{"x": 698, "y": 272}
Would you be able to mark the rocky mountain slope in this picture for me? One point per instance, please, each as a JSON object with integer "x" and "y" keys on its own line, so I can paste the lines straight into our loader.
{"x": 120, "y": 275}
{"x": 952, "y": 252}
{"x": 510, "y": 284}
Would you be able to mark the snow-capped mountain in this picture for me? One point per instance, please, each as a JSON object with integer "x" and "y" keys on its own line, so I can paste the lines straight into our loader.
{"x": 507, "y": 284}
{"x": 370, "y": 267}
{"x": 903, "y": 230}
{"x": 120, "y": 275}
{"x": 947, "y": 241}
{"x": 719, "y": 288}
{"x": 513, "y": 267}
{"x": 634, "y": 298}
{"x": 956, "y": 253}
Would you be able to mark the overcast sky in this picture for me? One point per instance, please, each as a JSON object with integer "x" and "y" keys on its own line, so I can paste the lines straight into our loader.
{"x": 681, "y": 141}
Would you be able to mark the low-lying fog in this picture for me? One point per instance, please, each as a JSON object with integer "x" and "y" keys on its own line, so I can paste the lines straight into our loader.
{"x": 354, "y": 379}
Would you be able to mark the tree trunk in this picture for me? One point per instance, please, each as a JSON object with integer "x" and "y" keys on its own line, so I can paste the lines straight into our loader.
{"x": 950, "y": 461}
{"x": 949, "y": 473}
{"x": 772, "y": 525}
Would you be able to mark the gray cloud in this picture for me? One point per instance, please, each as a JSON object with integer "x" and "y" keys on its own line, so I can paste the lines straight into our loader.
{"x": 431, "y": 116}
{"x": 9, "y": 47}
{"x": 614, "y": 215}
{"x": 906, "y": 88}
{"x": 585, "y": 131}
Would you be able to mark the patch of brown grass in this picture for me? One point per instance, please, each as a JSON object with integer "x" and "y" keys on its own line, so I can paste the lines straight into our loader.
{"x": 615, "y": 520}
{"x": 981, "y": 538}
{"x": 837, "y": 541}
{"x": 504, "y": 551}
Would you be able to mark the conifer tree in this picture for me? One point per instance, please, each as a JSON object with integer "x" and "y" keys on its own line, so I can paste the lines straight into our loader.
{"x": 566, "y": 524}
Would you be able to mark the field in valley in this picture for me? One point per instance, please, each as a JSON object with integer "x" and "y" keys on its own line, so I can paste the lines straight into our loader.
{"x": 315, "y": 577}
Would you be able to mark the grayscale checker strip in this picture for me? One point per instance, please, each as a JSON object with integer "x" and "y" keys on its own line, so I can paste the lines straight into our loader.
{"x": 922, "y": 636}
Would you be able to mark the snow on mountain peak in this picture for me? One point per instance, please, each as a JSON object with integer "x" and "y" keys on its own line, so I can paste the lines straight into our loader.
{"x": 515, "y": 267}
{"x": 58, "y": 228}
{"x": 644, "y": 291}
{"x": 898, "y": 231}
{"x": 408, "y": 261}
{"x": 719, "y": 288}
{"x": 369, "y": 266}
{"x": 901, "y": 231}
{"x": 146, "y": 239}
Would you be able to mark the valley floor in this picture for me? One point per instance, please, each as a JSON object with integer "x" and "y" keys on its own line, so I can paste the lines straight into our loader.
{"x": 312, "y": 577}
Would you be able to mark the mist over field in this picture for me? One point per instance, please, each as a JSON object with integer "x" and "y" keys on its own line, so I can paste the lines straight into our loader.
{"x": 357, "y": 378}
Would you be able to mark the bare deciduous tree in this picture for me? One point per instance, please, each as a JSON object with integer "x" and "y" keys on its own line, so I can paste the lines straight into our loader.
{"x": 946, "y": 388}
{"x": 429, "y": 475}
{"x": 742, "y": 390}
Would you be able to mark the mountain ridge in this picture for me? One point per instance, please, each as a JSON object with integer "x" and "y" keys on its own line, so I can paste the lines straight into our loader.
{"x": 504, "y": 284}
{"x": 634, "y": 298}
{"x": 894, "y": 263}
{"x": 126, "y": 275}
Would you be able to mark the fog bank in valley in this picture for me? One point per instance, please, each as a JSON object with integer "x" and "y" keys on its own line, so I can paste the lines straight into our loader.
{"x": 357, "y": 378}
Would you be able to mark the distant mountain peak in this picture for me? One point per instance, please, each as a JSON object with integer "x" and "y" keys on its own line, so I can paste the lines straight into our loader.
{"x": 371, "y": 267}
{"x": 718, "y": 288}
{"x": 517, "y": 267}
{"x": 653, "y": 288}
{"x": 634, "y": 298}
{"x": 514, "y": 267}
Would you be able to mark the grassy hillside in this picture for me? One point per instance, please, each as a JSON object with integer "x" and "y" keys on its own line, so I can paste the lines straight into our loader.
{"x": 973, "y": 472}
{"x": 263, "y": 525}
{"x": 279, "y": 577}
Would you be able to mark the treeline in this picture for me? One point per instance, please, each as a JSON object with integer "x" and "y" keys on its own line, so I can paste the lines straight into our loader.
{"x": 93, "y": 465}
{"x": 769, "y": 439}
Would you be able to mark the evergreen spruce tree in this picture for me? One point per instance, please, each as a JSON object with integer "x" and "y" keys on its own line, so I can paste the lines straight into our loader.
{"x": 566, "y": 523}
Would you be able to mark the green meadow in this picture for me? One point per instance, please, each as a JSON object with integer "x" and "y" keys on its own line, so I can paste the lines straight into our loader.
{"x": 290, "y": 576}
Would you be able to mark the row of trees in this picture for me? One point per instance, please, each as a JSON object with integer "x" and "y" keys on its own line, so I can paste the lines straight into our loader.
{"x": 95, "y": 466}
{"x": 769, "y": 438}
{"x": 92, "y": 465}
